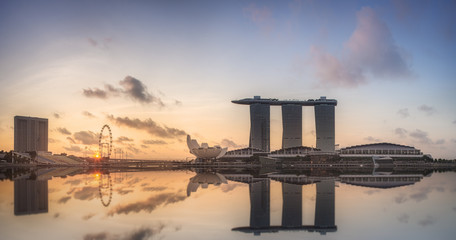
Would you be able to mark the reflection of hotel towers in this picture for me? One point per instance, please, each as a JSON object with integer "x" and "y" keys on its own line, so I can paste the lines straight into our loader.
{"x": 292, "y": 122}
{"x": 291, "y": 208}
{"x": 30, "y": 196}
{"x": 259, "y": 203}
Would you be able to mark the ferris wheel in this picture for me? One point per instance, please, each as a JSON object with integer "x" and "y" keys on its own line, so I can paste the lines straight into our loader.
{"x": 105, "y": 144}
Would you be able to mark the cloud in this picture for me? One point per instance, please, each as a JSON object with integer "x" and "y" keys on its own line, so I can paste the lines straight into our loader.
{"x": 154, "y": 142}
{"x": 230, "y": 144}
{"x": 149, "y": 126}
{"x": 88, "y": 216}
{"x": 148, "y": 205}
{"x": 130, "y": 87}
{"x": 400, "y": 132}
{"x": 73, "y": 182}
{"x": 64, "y": 131}
{"x": 372, "y": 191}
{"x": 404, "y": 218}
{"x": 86, "y": 193}
{"x": 421, "y": 195}
{"x": 370, "y": 51}
{"x": 86, "y": 137}
{"x": 230, "y": 187}
{"x": 56, "y": 115}
{"x": 73, "y": 149}
{"x": 95, "y": 93}
{"x": 92, "y": 42}
{"x": 51, "y": 140}
{"x": 427, "y": 109}
{"x": 421, "y": 136}
{"x": 64, "y": 199}
{"x": 372, "y": 139}
{"x": 261, "y": 16}
{"x": 142, "y": 233}
{"x": 97, "y": 236}
{"x": 428, "y": 220}
{"x": 440, "y": 141}
{"x": 122, "y": 139}
{"x": 404, "y": 112}
{"x": 332, "y": 72}
{"x": 153, "y": 189}
{"x": 124, "y": 191}
{"x": 88, "y": 114}
{"x": 400, "y": 199}
{"x": 137, "y": 91}
{"x": 71, "y": 140}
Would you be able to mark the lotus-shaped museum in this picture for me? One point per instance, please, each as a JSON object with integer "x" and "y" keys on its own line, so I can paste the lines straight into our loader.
{"x": 204, "y": 151}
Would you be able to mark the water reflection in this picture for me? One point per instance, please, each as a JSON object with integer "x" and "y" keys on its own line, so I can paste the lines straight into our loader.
{"x": 30, "y": 196}
{"x": 208, "y": 195}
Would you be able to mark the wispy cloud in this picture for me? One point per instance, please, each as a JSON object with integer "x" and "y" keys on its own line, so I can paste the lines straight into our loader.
{"x": 86, "y": 137}
{"x": 427, "y": 109}
{"x": 73, "y": 149}
{"x": 154, "y": 189}
{"x": 421, "y": 136}
{"x": 123, "y": 139}
{"x": 400, "y": 132}
{"x": 370, "y": 51}
{"x": 149, "y": 126}
{"x": 372, "y": 139}
{"x": 88, "y": 114}
{"x": 404, "y": 112}
{"x": 154, "y": 142}
{"x": 148, "y": 205}
{"x": 64, "y": 131}
{"x": 404, "y": 218}
{"x": 142, "y": 233}
{"x": 71, "y": 140}
{"x": 261, "y": 16}
{"x": 428, "y": 220}
{"x": 95, "y": 93}
{"x": 230, "y": 143}
{"x": 130, "y": 87}
{"x": 88, "y": 216}
{"x": 86, "y": 193}
{"x": 63, "y": 200}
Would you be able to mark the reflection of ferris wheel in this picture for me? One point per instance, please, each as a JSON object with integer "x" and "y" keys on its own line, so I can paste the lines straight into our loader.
{"x": 105, "y": 188}
{"x": 103, "y": 144}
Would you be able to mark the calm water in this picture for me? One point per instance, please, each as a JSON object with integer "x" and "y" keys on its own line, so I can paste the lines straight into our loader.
{"x": 71, "y": 204}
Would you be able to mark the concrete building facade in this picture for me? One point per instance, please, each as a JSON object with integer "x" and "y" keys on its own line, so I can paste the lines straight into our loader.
{"x": 30, "y": 134}
{"x": 260, "y": 126}
{"x": 292, "y": 125}
{"x": 325, "y": 127}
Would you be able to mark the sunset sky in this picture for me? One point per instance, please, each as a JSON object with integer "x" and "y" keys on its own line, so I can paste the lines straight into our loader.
{"x": 156, "y": 71}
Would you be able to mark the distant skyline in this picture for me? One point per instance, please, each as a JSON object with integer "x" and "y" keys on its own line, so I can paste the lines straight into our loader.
{"x": 156, "y": 71}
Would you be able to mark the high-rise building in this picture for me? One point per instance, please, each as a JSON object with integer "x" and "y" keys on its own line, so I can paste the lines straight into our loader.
{"x": 325, "y": 127}
{"x": 30, "y": 134}
{"x": 292, "y": 121}
{"x": 260, "y": 126}
{"x": 292, "y": 125}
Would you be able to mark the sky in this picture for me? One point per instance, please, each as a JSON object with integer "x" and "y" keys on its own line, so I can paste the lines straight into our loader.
{"x": 155, "y": 71}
